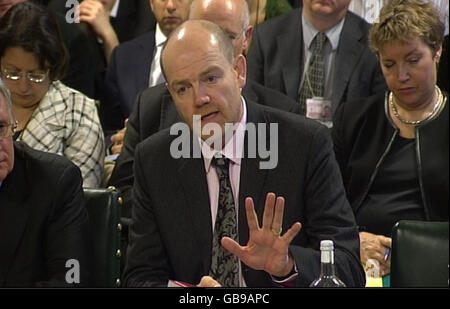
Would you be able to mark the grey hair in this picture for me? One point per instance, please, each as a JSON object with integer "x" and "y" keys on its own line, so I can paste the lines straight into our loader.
{"x": 4, "y": 92}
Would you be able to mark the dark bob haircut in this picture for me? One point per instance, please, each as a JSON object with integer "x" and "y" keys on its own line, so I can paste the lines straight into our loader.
{"x": 33, "y": 28}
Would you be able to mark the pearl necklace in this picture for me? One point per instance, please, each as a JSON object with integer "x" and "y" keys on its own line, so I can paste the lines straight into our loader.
{"x": 417, "y": 122}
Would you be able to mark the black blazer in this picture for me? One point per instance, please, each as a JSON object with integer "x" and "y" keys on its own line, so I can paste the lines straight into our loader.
{"x": 154, "y": 111}
{"x": 43, "y": 221}
{"x": 363, "y": 131}
{"x": 276, "y": 53}
{"x": 171, "y": 231}
{"x": 127, "y": 74}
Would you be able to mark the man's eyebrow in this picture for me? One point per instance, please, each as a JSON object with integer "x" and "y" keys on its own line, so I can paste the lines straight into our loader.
{"x": 207, "y": 71}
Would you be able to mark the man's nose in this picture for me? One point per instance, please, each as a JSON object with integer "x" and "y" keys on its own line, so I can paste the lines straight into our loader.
{"x": 201, "y": 96}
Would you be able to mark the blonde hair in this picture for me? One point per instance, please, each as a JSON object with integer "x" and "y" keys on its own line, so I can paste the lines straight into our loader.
{"x": 407, "y": 19}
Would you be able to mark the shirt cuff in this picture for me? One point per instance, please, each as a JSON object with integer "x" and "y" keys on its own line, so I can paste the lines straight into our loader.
{"x": 289, "y": 280}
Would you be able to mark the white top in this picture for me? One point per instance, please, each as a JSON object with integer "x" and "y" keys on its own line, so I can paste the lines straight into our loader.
{"x": 66, "y": 123}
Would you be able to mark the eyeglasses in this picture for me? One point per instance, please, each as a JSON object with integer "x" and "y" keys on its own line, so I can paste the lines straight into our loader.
{"x": 35, "y": 77}
{"x": 7, "y": 128}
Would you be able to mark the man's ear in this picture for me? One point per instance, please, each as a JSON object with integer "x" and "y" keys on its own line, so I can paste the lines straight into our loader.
{"x": 240, "y": 66}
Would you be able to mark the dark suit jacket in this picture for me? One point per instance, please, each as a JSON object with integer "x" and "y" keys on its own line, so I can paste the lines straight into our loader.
{"x": 43, "y": 221}
{"x": 276, "y": 53}
{"x": 154, "y": 111}
{"x": 134, "y": 17}
{"x": 171, "y": 231}
{"x": 363, "y": 133}
{"x": 127, "y": 74}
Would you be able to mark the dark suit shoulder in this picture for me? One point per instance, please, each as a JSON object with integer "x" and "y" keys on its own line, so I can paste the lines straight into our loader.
{"x": 355, "y": 109}
{"x": 44, "y": 166}
{"x": 363, "y": 25}
{"x": 289, "y": 123}
{"x": 280, "y": 24}
{"x": 146, "y": 41}
{"x": 154, "y": 93}
{"x": 269, "y": 97}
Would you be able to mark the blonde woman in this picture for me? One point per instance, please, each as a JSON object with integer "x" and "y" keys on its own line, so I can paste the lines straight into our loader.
{"x": 393, "y": 147}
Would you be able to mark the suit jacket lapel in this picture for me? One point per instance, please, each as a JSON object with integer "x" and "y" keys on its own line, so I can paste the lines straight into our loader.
{"x": 169, "y": 114}
{"x": 291, "y": 52}
{"x": 252, "y": 177}
{"x": 348, "y": 54}
{"x": 192, "y": 175}
{"x": 13, "y": 212}
{"x": 145, "y": 56}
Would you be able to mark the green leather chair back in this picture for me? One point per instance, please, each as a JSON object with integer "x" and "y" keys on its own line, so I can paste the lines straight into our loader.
{"x": 103, "y": 207}
{"x": 419, "y": 254}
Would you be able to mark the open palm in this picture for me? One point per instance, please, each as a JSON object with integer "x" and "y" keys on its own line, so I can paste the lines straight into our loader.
{"x": 266, "y": 249}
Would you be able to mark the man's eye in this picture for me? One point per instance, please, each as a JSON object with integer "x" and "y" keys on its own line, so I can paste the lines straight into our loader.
{"x": 212, "y": 79}
{"x": 181, "y": 90}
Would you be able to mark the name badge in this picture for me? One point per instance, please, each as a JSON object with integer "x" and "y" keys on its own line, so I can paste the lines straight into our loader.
{"x": 320, "y": 109}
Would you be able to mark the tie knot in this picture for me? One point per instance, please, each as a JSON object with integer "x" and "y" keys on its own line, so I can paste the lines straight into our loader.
{"x": 318, "y": 41}
{"x": 221, "y": 164}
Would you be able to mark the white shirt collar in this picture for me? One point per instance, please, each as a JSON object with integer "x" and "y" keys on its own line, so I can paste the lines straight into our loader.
{"x": 333, "y": 34}
{"x": 233, "y": 149}
{"x": 114, "y": 9}
{"x": 160, "y": 38}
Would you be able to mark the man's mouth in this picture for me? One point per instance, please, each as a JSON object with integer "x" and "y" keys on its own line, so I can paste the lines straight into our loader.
{"x": 209, "y": 116}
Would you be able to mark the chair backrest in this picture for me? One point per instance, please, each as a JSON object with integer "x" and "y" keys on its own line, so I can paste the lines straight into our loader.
{"x": 419, "y": 254}
{"x": 103, "y": 207}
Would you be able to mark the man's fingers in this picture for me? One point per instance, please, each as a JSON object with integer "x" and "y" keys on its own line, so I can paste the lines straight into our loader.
{"x": 292, "y": 232}
{"x": 232, "y": 246}
{"x": 268, "y": 211}
{"x": 208, "y": 282}
{"x": 252, "y": 219}
{"x": 278, "y": 216}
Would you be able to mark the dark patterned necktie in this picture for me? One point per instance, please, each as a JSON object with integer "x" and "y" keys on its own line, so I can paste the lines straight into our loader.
{"x": 313, "y": 83}
{"x": 224, "y": 265}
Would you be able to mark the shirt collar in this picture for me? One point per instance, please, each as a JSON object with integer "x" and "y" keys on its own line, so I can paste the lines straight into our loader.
{"x": 233, "y": 149}
{"x": 160, "y": 38}
{"x": 333, "y": 34}
{"x": 114, "y": 9}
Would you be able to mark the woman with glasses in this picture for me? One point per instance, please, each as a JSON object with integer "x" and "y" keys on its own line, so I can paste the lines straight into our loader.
{"x": 51, "y": 116}
{"x": 393, "y": 148}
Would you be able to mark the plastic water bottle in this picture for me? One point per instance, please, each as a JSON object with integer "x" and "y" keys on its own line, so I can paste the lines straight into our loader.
{"x": 327, "y": 278}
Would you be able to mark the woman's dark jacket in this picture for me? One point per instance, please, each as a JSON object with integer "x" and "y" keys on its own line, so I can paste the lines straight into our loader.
{"x": 363, "y": 133}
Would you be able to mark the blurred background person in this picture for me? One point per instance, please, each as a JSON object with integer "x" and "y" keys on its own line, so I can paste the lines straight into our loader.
{"x": 135, "y": 64}
{"x": 80, "y": 73}
{"x": 106, "y": 24}
{"x": 393, "y": 148}
{"x": 319, "y": 50}
{"x": 51, "y": 116}
{"x": 262, "y": 10}
{"x": 43, "y": 221}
